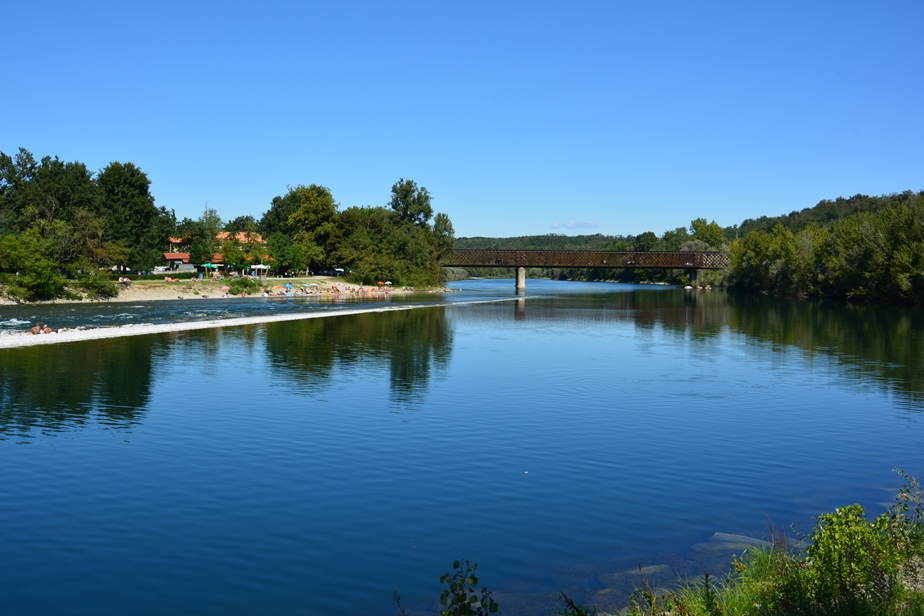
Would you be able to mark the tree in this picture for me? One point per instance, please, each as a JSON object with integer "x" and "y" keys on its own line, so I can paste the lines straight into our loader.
{"x": 42, "y": 193}
{"x": 411, "y": 203}
{"x": 314, "y": 222}
{"x": 672, "y": 240}
{"x": 234, "y": 254}
{"x": 201, "y": 235}
{"x": 28, "y": 270}
{"x": 709, "y": 232}
{"x": 646, "y": 241}
{"x": 276, "y": 219}
{"x": 443, "y": 236}
{"x": 97, "y": 251}
{"x": 14, "y": 174}
{"x": 241, "y": 224}
{"x": 134, "y": 219}
{"x": 285, "y": 253}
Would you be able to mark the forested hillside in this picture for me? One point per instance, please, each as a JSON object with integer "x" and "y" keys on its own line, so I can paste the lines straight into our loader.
{"x": 868, "y": 255}
{"x": 825, "y": 212}
{"x": 552, "y": 241}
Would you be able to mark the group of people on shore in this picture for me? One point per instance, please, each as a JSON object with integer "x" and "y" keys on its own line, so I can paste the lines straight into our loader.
{"x": 43, "y": 328}
{"x": 335, "y": 289}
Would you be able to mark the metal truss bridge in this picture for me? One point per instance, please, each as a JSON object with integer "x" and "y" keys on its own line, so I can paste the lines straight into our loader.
{"x": 522, "y": 259}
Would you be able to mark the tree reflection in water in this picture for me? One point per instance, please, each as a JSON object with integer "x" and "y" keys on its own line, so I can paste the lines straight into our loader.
{"x": 412, "y": 342}
{"x": 63, "y": 386}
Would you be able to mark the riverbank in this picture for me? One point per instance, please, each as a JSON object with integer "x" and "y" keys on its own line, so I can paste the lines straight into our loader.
{"x": 155, "y": 290}
{"x": 28, "y": 331}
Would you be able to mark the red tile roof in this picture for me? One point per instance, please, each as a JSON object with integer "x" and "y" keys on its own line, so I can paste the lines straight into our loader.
{"x": 241, "y": 236}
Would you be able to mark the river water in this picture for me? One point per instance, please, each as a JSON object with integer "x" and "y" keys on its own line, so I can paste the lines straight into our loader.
{"x": 559, "y": 440}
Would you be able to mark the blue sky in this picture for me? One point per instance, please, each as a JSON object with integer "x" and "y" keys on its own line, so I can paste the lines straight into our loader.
{"x": 519, "y": 117}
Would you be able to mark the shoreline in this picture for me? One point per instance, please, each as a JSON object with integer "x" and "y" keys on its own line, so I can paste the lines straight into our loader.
{"x": 159, "y": 290}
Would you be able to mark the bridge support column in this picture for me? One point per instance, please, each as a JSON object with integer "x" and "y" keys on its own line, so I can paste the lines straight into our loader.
{"x": 521, "y": 278}
{"x": 693, "y": 274}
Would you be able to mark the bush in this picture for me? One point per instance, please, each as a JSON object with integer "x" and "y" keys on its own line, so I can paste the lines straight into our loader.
{"x": 244, "y": 285}
{"x": 98, "y": 286}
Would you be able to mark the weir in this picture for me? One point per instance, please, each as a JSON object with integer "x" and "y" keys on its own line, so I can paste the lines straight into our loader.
{"x": 692, "y": 262}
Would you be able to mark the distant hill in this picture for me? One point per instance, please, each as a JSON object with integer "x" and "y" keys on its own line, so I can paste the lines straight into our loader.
{"x": 827, "y": 211}
{"x": 551, "y": 241}
{"x": 824, "y": 213}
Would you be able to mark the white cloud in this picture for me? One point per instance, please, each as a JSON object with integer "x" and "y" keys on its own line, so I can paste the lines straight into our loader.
{"x": 574, "y": 225}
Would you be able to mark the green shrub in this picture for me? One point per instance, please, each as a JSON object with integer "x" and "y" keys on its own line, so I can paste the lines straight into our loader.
{"x": 98, "y": 285}
{"x": 461, "y": 598}
{"x": 244, "y": 285}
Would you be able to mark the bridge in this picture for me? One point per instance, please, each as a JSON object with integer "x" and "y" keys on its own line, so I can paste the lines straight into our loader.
{"x": 521, "y": 259}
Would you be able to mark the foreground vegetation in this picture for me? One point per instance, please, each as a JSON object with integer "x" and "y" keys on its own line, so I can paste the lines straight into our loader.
{"x": 852, "y": 567}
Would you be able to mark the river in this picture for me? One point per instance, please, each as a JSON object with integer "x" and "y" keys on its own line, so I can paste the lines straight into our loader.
{"x": 559, "y": 440}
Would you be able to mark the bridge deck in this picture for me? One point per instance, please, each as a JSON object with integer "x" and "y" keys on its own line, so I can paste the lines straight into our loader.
{"x": 586, "y": 258}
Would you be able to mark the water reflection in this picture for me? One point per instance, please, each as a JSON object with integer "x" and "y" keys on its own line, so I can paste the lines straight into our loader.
{"x": 883, "y": 343}
{"x": 703, "y": 314}
{"x": 62, "y": 387}
{"x": 414, "y": 343}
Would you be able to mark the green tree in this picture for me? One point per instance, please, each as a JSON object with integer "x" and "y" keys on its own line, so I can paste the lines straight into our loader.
{"x": 28, "y": 270}
{"x": 646, "y": 241}
{"x": 286, "y": 254}
{"x": 16, "y": 175}
{"x": 276, "y": 219}
{"x": 43, "y": 195}
{"x": 672, "y": 240}
{"x": 97, "y": 250}
{"x": 233, "y": 254}
{"x": 314, "y": 222}
{"x": 709, "y": 232}
{"x": 241, "y": 224}
{"x": 202, "y": 236}
{"x": 444, "y": 236}
{"x": 410, "y": 202}
{"x": 134, "y": 218}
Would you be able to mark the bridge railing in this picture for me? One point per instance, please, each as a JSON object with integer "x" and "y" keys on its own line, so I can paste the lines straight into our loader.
{"x": 586, "y": 258}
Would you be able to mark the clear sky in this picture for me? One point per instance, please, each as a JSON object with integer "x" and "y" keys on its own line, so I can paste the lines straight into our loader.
{"x": 520, "y": 118}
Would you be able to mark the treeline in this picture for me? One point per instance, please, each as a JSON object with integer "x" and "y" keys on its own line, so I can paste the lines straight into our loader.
{"x": 64, "y": 228}
{"x": 702, "y": 235}
{"x": 868, "y": 255}
{"x": 824, "y": 213}
{"x": 402, "y": 243}
{"x": 60, "y": 221}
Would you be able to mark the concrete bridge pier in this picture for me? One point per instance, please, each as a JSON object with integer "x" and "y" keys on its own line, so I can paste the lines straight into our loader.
{"x": 693, "y": 274}
{"x": 521, "y": 278}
